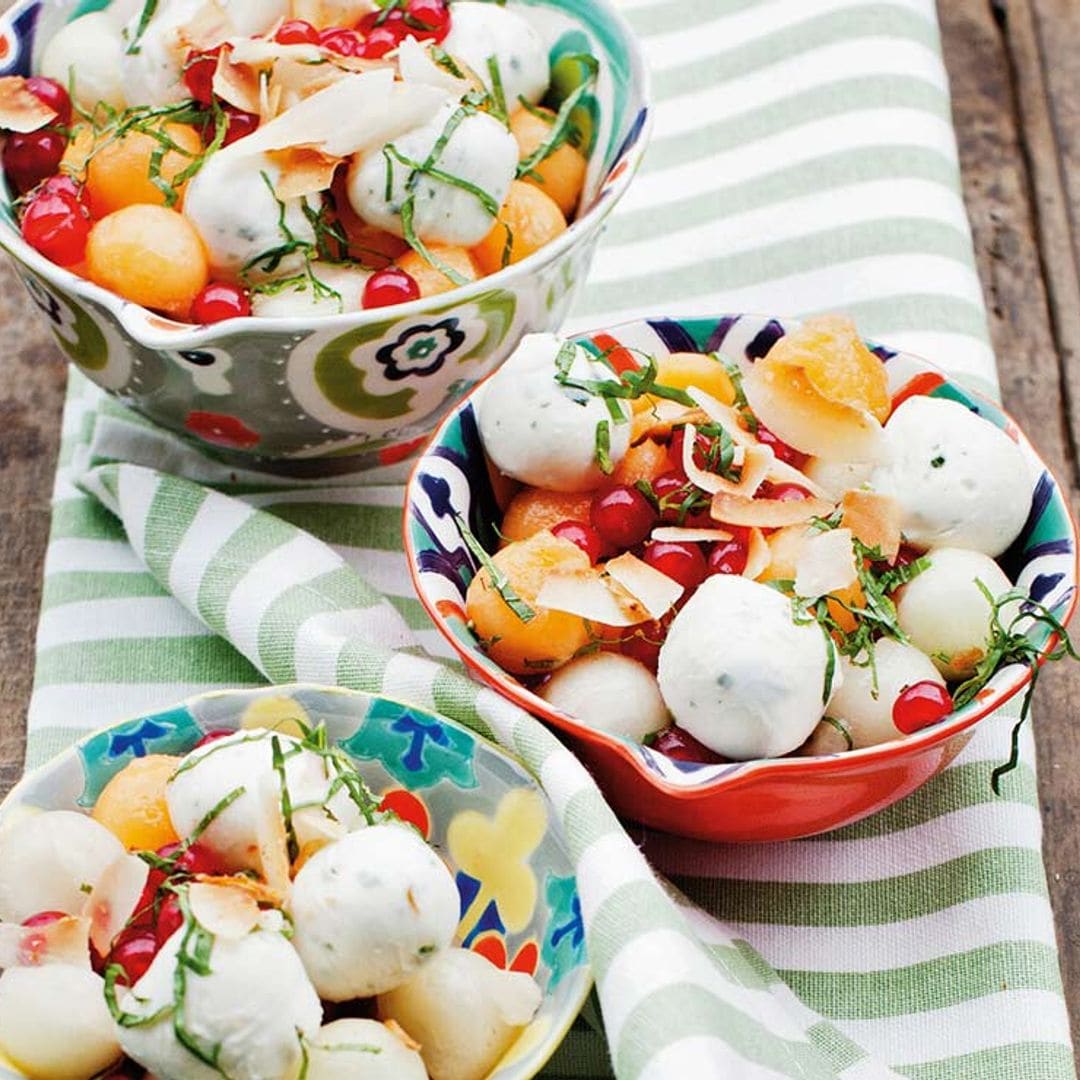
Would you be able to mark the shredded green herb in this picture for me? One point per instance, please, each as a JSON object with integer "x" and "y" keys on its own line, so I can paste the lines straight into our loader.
{"x": 498, "y": 95}
{"x": 499, "y": 580}
{"x": 561, "y": 127}
{"x": 278, "y": 760}
{"x": 603, "y": 447}
{"x": 149, "y": 10}
{"x": 741, "y": 402}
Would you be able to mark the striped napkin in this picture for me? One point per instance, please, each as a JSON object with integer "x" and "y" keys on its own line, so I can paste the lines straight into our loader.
{"x": 803, "y": 161}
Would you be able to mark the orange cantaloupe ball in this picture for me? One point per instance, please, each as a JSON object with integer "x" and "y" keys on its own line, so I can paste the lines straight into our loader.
{"x": 149, "y": 255}
{"x": 562, "y": 173}
{"x": 132, "y": 804}
{"x": 549, "y": 638}
{"x": 533, "y": 218}
{"x": 118, "y": 174}
{"x": 646, "y": 461}
{"x": 431, "y": 280}
{"x": 533, "y": 509}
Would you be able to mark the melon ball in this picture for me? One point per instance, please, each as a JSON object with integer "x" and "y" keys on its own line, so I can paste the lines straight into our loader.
{"x": 528, "y": 220}
{"x": 866, "y": 711}
{"x": 946, "y": 614}
{"x": 54, "y": 1023}
{"x": 255, "y": 1005}
{"x": 609, "y": 692}
{"x": 960, "y": 481}
{"x": 51, "y": 862}
{"x": 541, "y": 432}
{"x": 464, "y": 1012}
{"x": 362, "y": 1050}
{"x": 85, "y": 55}
{"x": 132, "y": 804}
{"x": 339, "y": 289}
{"x": 369, "y": 909}
{"x": 740, "y": 675}
{"x": 562, "y": 173}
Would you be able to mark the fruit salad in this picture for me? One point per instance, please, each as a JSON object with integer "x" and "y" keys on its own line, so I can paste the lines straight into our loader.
{"x": 730, "y": 561}
{"x": 245, "y": 911}
{"x": 210, "y": 159}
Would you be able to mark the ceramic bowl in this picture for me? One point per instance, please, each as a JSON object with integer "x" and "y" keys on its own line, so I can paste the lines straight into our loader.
{"x": 432, "y": 772}
{"x": 365, "y": 385}
{"x": 775, "y": 799}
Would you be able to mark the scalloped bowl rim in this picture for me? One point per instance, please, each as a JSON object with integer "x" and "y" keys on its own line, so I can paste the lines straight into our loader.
{"x": 193, "y": 335}
{"x": 558, "y": 1032}
{"x": 751, "y": 770}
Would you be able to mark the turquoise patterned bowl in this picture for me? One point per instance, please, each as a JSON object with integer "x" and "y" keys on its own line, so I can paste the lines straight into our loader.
{"x": 519, "y": 901}
{"x": 366, "y": 387}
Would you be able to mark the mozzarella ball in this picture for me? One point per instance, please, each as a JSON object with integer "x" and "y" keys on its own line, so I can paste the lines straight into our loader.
{"x": 255, "y": 1004}
{"x": 85, "y": 55}
{"x": 740, "y": 675}
{"x": 368, "y": 909}
{"x": 252, "y": 17}
{"x": 960, "y": 481}
{"x": 211, "y": 773}
{"x": 51, "y": 861}
{"x": 479, "y": 150}
{"x": 945, "y": 613}
{"x": 464, "y": 1012}
{"x": 609, "y": 692}
{"x": 237, "y": 215}
{"x": 299, "y": 298}
{"x": 362, "y": 1050}
{"x": 482, "y": 30}
{"x": 151, "y": 67}
{"x": 542, "y": 433}
{"x": 867, "y": 712}
{"x": 54, "y": 1023}
{"x": 837, "y": 477}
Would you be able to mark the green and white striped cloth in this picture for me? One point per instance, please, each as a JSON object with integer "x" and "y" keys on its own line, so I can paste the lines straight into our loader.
{"x": 803, "y": 161}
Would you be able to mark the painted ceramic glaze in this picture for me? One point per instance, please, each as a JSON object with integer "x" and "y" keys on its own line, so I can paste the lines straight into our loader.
{"x": 365, "y": 385}
{"x": 749, "y": 801}
{"x": 519, "y": 900}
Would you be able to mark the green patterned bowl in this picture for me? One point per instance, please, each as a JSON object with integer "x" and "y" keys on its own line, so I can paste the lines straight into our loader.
{"x": 519, "y": 902}
{"x": 364, "y": 386}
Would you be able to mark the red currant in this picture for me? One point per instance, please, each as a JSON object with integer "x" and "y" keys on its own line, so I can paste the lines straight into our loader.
{"x": 51, "y": 93}
{"x": 337, "y": 39}
{"x": 296, "y": 32}
{"x": 199, "y": 74}
{"x": 134, "y": 952}
{"x": 680, "y": 745}
{"x": 729, "y": 556}
{"x": 43, "y": 918}
{"x": 681, "y": 562}
{"x": 219, "y": 301}
{"x": 584, "y": 536}
{"x": 170, "y": 918}
{"x": 390, "y": 286}
{"x": 428, "y": 19}
{"x": 920, "y": 705}
{"x": 213, "y": 737}
{"x": 30, "y": 156}
{"x": 622, "y": 516}
{"x": 240, "y": 125}
{"x": 783, "y": 492}
{"x": 795, "y": 458}
{"x": 61, "y": 184}
{"x": 379, "y": 42}
{"x": 670, "y": 489}
{"x": 643, "y": 644}
{"x": 57, "y": 226}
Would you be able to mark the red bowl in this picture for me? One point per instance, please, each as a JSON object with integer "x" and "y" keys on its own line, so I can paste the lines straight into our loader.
{"x": 774, "y": 799}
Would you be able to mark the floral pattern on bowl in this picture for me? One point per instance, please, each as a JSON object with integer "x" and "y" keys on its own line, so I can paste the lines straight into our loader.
{"x": 519, "y": 902}
{"x": 757, "y": 800}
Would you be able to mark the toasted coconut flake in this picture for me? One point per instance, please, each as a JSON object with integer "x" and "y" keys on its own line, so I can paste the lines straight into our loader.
{"x": 66, "y": 941}
{"x": 766, "y": 513}
{"x": 722, "y": 414}
{"x": 113, "y": 900}
{"x": 237, "y": 84}
{"x": 656, "y": 592}
{"x": 660, "y": 417}
{"x": 826, "y": 564}
{"x": 223, "y": 910}
{"x": 678, "y": 534}
{"x": 210, "y": 26}
{"x": 586, "y": 594}
{"x": 416, "y": 65}
{"x": 19, "y": 109}
{"x": 257, "y": 890}
{"x": 757, "y": 460}
{"x": 264, "y": 52}
{"x": 781, "y": 472}
{"x": 873, "y": 519}
{"x": 304, "y": 171}
{"x": 271, "y": 839}
{"x": 758, "y": 555}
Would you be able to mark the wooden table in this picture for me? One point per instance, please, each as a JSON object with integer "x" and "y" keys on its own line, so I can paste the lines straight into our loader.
{"x": 1016, "y": 88}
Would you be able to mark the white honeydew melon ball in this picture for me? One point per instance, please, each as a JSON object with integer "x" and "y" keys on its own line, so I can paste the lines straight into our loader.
{"x": 464, "y": 1012}
{"x": 479, "y": 150}
{"x": 362, "y": 1050}
{"x": 540, "y": 432}
{"x": 51, "y": 861}
{"x": 960, "y": 481}
{"x": 368, "y": 910}
{"x": 299, "y": 298}
{"x": 256, "y": 1004}
{"x": 868, "y": 715}
{"x": 211, "y": 773}
{"x": 945, "y": 613}
{"x": 85, "y": 56}
{"x": 481, "y": 30}
{"x": 54, "y": 1023}
{"x": 837, "y": 477}
{"x": 609, "y": 692}
{"x": 740, "y": 675}
{"x": 829, "y": 737}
